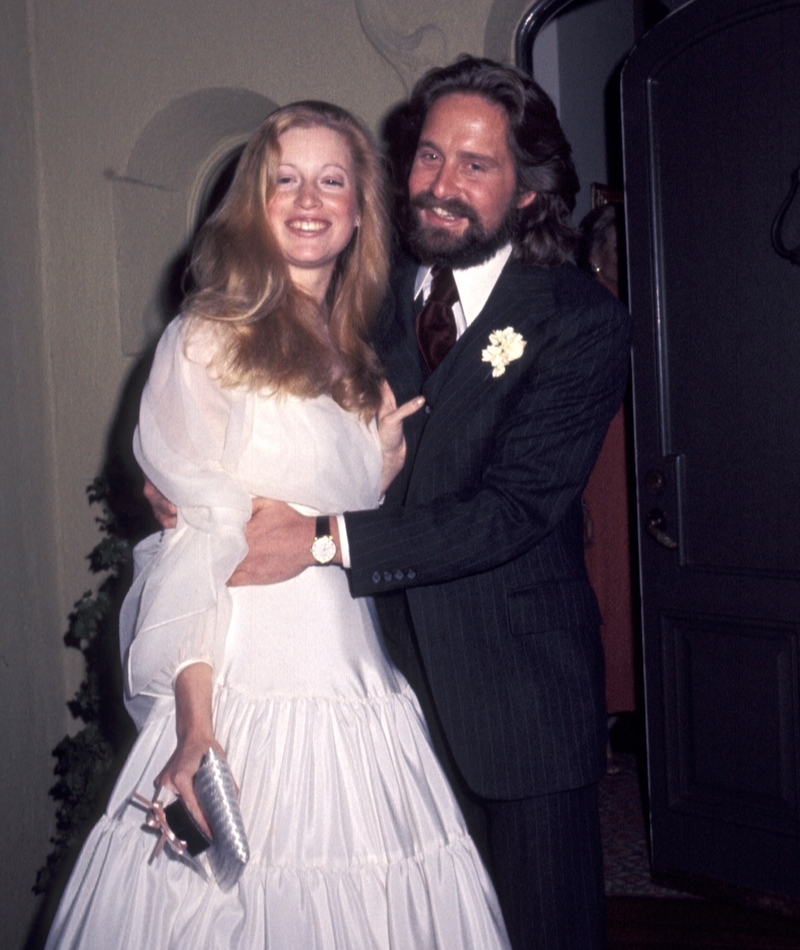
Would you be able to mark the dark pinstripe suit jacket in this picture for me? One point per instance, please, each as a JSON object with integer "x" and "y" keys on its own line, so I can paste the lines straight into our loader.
{"x": 483, "y": 530}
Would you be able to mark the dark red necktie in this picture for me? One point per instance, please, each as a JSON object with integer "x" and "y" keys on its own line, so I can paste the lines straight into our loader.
{"x": 435, "y": 324}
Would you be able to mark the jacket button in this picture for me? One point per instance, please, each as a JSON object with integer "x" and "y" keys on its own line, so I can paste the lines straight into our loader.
{"x": 376, "y": 578}
{"x": 399, "y": 575}
{"x": 387, "y": 575}
{"x": 411, "y": 573}
{"x": 427, "y": 410}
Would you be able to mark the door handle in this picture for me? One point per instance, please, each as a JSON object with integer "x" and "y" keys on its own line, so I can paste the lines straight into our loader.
{"x": 654, "y": 525}
{"x": 776, "y": 237}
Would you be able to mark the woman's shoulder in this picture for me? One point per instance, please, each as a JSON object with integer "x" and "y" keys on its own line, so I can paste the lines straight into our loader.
{"x": 191, "y": 349}
{"x": 204, "y": 341}
{"x": 188, "y": 339}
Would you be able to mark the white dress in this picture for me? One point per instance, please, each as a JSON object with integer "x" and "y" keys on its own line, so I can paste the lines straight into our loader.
{"x": 356, "y": 839}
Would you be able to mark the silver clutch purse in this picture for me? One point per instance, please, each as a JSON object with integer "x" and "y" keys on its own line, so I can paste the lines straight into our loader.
{"x": 216, "y": 793}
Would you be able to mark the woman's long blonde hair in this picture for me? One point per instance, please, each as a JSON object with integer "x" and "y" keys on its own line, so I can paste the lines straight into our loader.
{"x": 242, "y": 280}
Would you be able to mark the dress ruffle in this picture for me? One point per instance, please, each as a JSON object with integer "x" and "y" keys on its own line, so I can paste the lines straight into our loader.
{"x": 358, "y": 844}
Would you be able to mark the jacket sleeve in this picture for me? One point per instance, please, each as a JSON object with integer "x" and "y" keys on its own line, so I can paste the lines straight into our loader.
{"x": 190, "y": 436}
{"x": 500, "y": 482}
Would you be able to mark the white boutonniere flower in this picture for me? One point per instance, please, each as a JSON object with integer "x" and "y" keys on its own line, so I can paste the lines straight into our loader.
{"x": 504, "y": 346}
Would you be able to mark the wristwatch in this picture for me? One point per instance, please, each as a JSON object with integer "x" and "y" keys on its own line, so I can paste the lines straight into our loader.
{"x": 323, "y": 550}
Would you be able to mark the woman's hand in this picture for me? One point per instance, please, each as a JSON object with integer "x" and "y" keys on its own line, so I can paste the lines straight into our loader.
{"x": 179, "y": 772}
{"x": 390, "y": 432}
{"x": 193, "y": 725}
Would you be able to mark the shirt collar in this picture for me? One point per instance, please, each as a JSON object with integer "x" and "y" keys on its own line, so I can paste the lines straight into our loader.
{"x": 474, "y": 283}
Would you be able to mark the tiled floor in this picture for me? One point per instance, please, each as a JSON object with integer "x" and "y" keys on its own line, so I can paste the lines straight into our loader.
{"x": 625, "y": 858}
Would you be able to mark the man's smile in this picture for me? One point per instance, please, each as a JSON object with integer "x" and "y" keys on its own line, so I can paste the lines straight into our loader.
{"x": 451, "y": 214}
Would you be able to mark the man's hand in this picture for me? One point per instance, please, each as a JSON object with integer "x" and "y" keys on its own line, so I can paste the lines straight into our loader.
{"x": 166, "y": 514}
{"x": 279, "y": 540}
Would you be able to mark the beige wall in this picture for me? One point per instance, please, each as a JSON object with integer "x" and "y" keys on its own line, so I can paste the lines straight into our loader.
{"x": 31, "y": 655}
{"x": 80, "y": 84}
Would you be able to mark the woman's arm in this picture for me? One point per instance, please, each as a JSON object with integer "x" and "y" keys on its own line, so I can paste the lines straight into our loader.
{"x": 195, "y": 733}
{"x": 189, "y": 441}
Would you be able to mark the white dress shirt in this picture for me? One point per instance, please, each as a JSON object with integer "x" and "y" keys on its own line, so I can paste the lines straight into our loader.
{"x": 474, "y": 286}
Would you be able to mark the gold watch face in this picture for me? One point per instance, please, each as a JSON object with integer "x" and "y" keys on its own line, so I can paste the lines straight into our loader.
{"x": 323, "y": 550}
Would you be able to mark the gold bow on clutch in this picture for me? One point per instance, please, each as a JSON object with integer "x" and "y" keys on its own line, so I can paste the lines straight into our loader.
{"x": 157, "y": 820}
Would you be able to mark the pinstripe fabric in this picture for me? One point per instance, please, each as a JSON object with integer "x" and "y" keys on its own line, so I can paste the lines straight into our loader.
{"x": 483, "y": 530}
{"x": 550, "y": 882}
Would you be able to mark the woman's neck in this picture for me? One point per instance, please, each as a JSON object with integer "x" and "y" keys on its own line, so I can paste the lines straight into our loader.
{"x": 312, "y": 281}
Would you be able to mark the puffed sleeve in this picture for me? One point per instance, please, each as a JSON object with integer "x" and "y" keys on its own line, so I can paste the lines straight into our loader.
{"x": 189, "y": 440}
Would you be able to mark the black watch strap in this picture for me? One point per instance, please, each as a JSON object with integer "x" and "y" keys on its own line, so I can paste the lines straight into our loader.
{"x": 323, "y": 526}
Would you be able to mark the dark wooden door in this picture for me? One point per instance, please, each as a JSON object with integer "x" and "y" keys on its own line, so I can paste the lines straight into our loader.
{"x": 711, "y": 114}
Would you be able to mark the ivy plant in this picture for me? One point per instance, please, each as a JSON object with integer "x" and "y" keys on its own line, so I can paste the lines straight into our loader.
{"x": 86, "y": 761}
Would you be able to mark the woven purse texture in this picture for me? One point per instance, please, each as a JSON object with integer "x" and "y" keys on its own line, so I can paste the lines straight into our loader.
{"x": 216, "y": 793}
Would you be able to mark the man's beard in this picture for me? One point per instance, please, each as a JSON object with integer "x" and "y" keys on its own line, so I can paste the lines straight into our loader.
{"x": 436, "y": 246}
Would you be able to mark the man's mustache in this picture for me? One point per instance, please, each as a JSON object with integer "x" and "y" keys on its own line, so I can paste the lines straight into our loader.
{"x": 428, "y": 201}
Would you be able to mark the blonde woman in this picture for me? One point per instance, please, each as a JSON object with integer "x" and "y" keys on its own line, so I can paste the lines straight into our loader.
{"x": 267, "y": 386}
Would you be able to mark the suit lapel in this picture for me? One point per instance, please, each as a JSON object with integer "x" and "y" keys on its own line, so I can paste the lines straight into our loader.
{"x": 399, "y": 351}
{"x": 521, "y": 299}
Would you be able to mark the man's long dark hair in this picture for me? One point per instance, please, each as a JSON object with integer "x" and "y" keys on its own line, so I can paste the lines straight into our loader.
{"x": 541, "y": 152}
